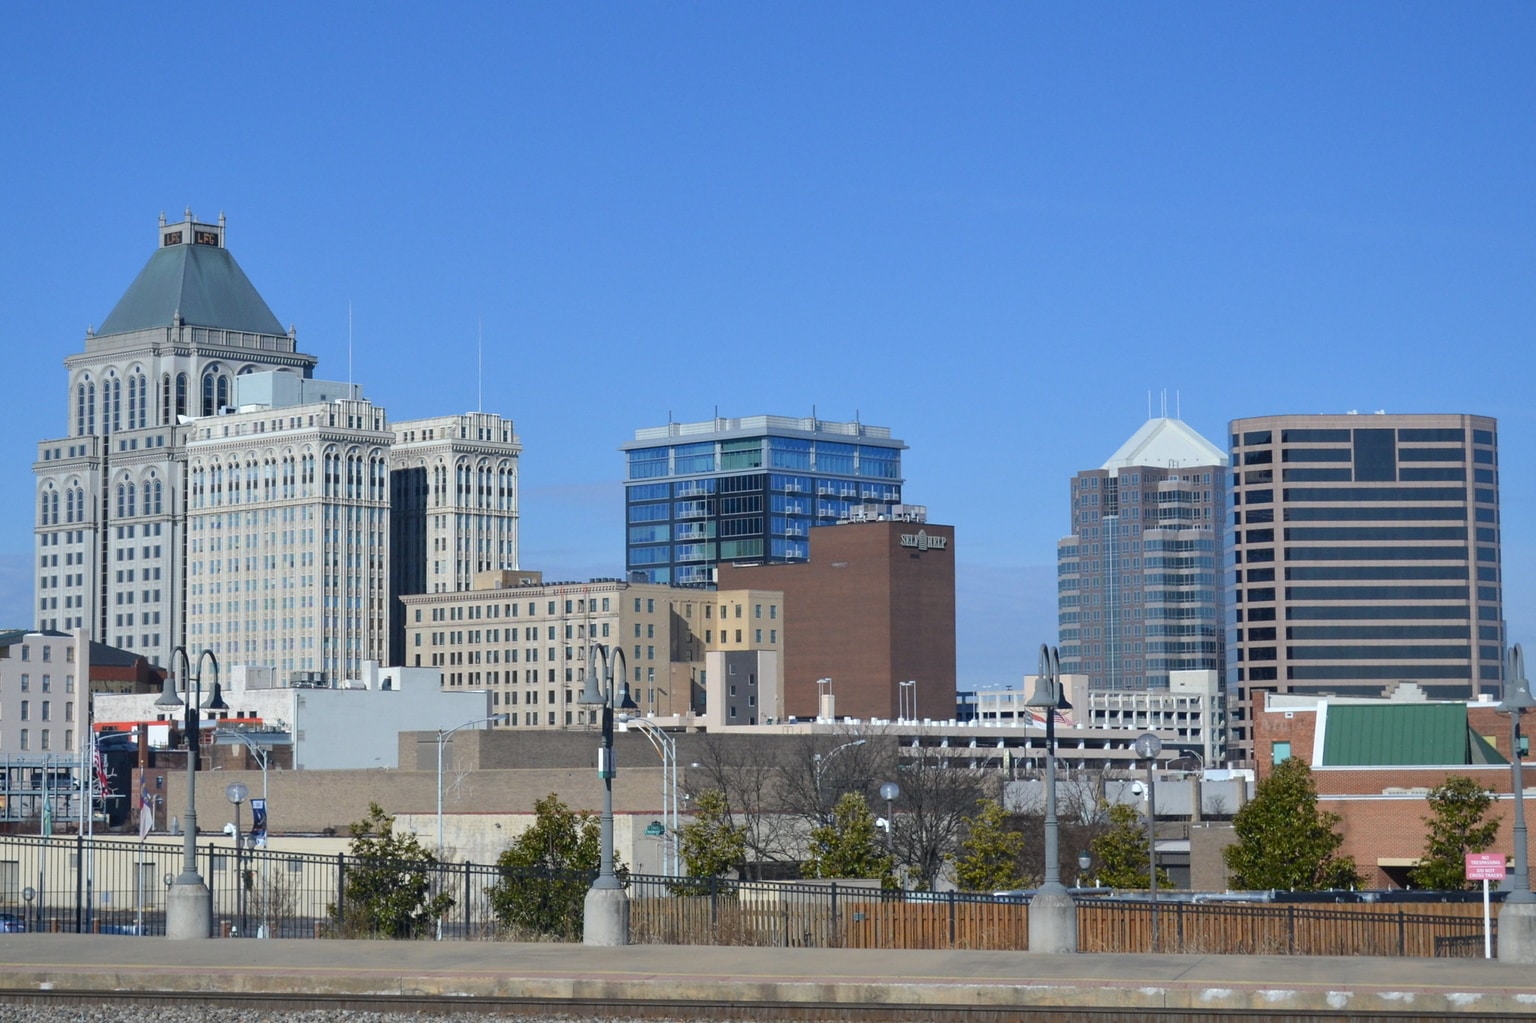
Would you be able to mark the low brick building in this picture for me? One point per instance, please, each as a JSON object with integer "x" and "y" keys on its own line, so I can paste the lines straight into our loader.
{"x": 1375, "y": 762}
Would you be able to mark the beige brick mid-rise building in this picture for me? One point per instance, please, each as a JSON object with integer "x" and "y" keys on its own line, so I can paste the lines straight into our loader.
{"x": 526, "y": 640}
{"x": 288, "y": 535}
{"x": 453, "y": 481}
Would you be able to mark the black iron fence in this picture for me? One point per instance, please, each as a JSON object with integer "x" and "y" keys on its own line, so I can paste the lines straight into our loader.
{"x": 115, "y": 886}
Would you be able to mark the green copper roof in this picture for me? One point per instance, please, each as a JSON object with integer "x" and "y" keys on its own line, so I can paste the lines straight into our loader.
{"x": 202, "y": 283}
{"x": 1418, "y": 734}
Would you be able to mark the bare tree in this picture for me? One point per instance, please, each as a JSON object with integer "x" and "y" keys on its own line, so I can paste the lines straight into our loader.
{"x": 816, "y": 770}
{"x": 748, "y": 771}
{"x": 930, "y": 813}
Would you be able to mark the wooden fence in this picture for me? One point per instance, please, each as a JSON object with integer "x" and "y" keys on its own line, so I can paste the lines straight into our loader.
{"x": 854, "y": 921}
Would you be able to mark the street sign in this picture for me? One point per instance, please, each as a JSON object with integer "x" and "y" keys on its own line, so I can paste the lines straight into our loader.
{"x": 655, "y": 830}
{"x": 1485, "y": 867}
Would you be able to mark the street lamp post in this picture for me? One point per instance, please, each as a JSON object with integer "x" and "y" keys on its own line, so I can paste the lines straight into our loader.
{"x": 1517, "y": 920}
{"x": 888, "y": 792}
{"x": 236, "y": 792}
{"x": 823, "y": 693}
{"x": 1084, "y": 863}
{"x": 189, "y": 903}
{"x": 906, "y": 702}
{"x": 606, "y": 911}
{"x": 666, "y": 746}
{"x": 1052, "y": 913}
{"x": 442, "y": 737}
{"x": 819, "y": 764}
{"x": 1148, "y": 746}
{"x": 262, "y": 753}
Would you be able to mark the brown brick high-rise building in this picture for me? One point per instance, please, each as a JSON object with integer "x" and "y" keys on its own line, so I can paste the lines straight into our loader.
{"x": 873, "y": 608}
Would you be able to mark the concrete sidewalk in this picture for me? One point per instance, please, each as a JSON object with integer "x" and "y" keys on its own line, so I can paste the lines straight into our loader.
{"x": 767, "y": 976}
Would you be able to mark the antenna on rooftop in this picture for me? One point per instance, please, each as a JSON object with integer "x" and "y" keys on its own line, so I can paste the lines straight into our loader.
{"x": 480, "y": 366}
{"x": 349, "y": 344}
{"x": 1178, "y": 404}
{"x": 1149, "y": 403}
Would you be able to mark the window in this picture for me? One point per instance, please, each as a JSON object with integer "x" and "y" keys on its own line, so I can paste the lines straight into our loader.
{"x": 1281, "y": 752}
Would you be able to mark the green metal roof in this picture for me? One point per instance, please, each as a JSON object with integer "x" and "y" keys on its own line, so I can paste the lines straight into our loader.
{"x": 1416, "y": 734}
{"x": 202, "y": 283}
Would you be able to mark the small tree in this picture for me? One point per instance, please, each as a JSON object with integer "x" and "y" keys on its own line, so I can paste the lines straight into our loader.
{"x": 546, "y": 872}
{"x": 1122, "y": 851}
{"x": 990, "y": 851}
{"x": 1456, "y": 827}
{"x": 1284, "y": 841}
{"x": 712, "y": 846}
{"x": 848, "y": 846}
{"x": 389, "y": 883}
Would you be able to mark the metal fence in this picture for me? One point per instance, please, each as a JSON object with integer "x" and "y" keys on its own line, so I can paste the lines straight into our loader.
{"x": 107, "y": 885}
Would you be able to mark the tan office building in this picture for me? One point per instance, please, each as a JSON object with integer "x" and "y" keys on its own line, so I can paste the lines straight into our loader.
{"x": 526, "y": 641}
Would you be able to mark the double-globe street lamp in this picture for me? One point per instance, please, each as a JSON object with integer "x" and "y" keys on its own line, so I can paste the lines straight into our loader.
{"x": 189, "y": 902}
{"x": 1052, "y": 913}
{"x": 904, "y": 701}
{"x": 605, "y": 917}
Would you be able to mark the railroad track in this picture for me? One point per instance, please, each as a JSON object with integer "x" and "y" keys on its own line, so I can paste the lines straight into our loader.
{"x": 426, "y": 1006}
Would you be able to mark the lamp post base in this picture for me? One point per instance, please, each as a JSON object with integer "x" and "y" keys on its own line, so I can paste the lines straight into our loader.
{"x": 188, "y": 911}
{"x": 1517, "y": 933}
{"x": 1053, "y": 923}
{"x": 605, "y": 918}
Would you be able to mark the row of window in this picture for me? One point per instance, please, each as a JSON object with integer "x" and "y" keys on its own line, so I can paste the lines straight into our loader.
{"x": 45, "y": 739}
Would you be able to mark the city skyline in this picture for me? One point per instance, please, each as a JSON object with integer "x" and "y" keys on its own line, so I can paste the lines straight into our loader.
{"x": 1001, "y": 233}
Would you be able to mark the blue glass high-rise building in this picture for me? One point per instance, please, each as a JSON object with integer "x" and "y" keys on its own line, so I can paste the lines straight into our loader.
{"x": 749, "y": 490}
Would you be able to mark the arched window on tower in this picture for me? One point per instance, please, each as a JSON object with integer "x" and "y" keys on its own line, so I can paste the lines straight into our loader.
{"x": 181, "y": 394}
{"x": 138, "y": 382}
{"x": 112, "y": 405}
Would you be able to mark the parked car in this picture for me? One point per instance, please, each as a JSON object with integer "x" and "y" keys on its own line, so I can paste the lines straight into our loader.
{"x": 10, "y": 923}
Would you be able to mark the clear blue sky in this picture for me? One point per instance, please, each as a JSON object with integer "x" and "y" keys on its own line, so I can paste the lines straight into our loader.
{"x": 991, "y": 227}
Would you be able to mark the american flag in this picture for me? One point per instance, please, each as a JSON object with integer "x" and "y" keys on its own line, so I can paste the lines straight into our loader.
{"x": 102, "y": 781}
